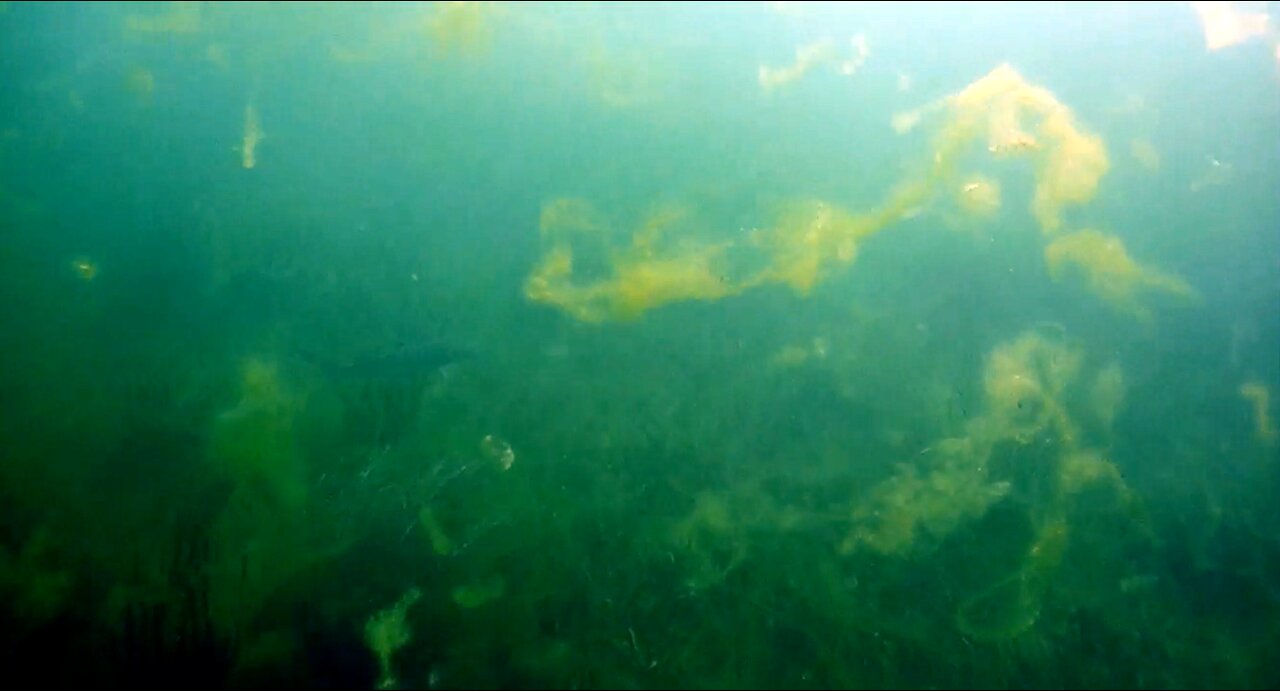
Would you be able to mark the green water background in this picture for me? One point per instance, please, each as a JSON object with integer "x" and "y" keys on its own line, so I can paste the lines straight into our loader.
{"x": 673, "y": 513}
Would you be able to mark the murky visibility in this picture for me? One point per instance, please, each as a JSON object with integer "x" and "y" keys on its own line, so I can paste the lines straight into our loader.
{"x": 765, "y": 345}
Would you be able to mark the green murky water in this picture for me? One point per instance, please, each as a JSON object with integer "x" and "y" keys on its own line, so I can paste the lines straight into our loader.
{"x": 759, "y": 345}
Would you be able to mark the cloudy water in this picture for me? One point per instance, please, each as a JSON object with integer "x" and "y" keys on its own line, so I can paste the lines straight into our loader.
{"x": 748, "y": 345}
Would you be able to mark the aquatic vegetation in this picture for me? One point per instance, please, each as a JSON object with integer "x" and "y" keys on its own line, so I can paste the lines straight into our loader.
{"x": 566, "y": 217}
{"x": 649, "y": 273}
{"x": 34, "y": 589}
{"x": 830, "y": 459}
{"x": 252, "y": 137}
{"x": 979, "y": 196}
{"x": 1109, "y": 271}
{"x": 176, "y": 18}
{"x": 141, "y": 82}
{"x": 715, "y": 537}
{"x": 1079, "y": 468}
{"x": 808, "y": 239}
{"x": 1012, "y": 605}
{"x": 386, "y": 632}
{"x": 259, "y": 548}
{"x": 460, "y": 28}
{"x": 441, "y": 544}
{"x": 796, "y": 355}
{"x": 1069, "y": 170}
{"x": 254, "y": 441}
{"x": 646, "y": 281}
{"x": 910, "y": 509}
{"x": 657, "y": 270}
{"x": 811, "y": 56}
{"x": 1026, "y": 382}
{"x": 1020, "y": 119}
{"x": 470, "y": 596}
{"x": 711, "y": 537}
{"x": 1259, "y": 397}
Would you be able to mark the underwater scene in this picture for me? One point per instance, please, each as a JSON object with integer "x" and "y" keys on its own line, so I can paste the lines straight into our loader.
{"x": 593, "y": 345}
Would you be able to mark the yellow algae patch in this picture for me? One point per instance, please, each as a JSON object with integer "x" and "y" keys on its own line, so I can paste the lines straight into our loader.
{"x": 1108, "y": 270}
{"x": 810, "y": 236}
{"x": 460, "y": 28}
{"x": 1069, "y": 171}
{"x": 643, "y": 283}
{"x": 811, "y": 56}
{"x": 1079, "y": 468}
{"x": 550, "y": 282}
{"x": 979, "y": 196}
{"x": 178, "y": 18}
{"x": 648, "y": 274}
{"x": 795, "y": 355}
{"x": 252, "y": 136}
{"x": 809, "y": 239}
{"x": 910, "y": 506}
{"x": 1020, "y": 119}
{"x": 807, "y": 57}
{"x": 790, "y": 357}
{"x": 568, "y": 215}
{"x": 1259, "y": 396}
{"x": 1024, "y": 382}
{"x": 140, "y": 82}
{"x": 254, "y": 441}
